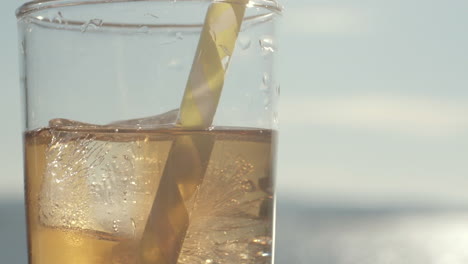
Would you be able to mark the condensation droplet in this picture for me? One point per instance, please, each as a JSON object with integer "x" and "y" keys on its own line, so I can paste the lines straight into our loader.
{"x": 266, "y": 82}
{"x": 209, "y": 261}
{"x": 91, "y": 24}
{"x": 278, "y": 90}
{"x": 179, "y": 35}
{"x": 275, "y": 118}
{"x": 243, "y": 256}
{"x": 267, "y": 45}
{"x": 59, "y": 17}
{"x": 245, "y": 42}
{"x": 55, "y": 17}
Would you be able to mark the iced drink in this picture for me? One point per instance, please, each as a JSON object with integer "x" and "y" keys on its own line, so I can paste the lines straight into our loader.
{"x": 161, "y": 196}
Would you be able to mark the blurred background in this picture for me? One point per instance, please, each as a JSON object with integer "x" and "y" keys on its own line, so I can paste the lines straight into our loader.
{"x": 373, "y": 136}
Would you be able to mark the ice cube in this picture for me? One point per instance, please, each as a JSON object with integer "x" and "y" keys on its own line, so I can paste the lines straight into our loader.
{"x": 99, "y": 180}
{"x": 167, "y": 119}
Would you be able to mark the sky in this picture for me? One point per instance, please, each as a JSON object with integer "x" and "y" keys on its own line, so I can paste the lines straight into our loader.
{"x": 373, "y": 107}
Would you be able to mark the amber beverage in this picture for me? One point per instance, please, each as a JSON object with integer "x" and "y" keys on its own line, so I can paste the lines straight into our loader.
{"x": 133, "y": 155}
{"x": 90, "y": 195}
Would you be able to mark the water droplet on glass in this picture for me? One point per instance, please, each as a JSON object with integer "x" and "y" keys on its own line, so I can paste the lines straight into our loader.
{"x": 59, "y": 17}
{"x": 243, "y": 256}
{"x": 55, "y": 17}
{"x": 143, "y": 29}
{"x": 278, "y": 90}
{"x": 91, "y": 24}
{"x": 208, "y": 260}
{"x": 96, "y": 22}
{"x": 266, "y": 82}
{"x": 179, "y": 35}
{"x": 267, "y": 45}
{"x": 275, "y": 118}
{"x": 244, "y": 42}
{"x": 266, "y": 79}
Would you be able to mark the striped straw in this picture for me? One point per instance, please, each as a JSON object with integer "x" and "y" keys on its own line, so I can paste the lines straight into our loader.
{"x": 215, "y": 48}
{"x": 169, "y": 217}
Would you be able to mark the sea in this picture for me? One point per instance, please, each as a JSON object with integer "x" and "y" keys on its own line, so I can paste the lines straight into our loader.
{"x": 312, "y": 233}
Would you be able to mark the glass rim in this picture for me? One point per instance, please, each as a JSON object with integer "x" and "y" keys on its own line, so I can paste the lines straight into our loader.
{"x": 39, "y": 5}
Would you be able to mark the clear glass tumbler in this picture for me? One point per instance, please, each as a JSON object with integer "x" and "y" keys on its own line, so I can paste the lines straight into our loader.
{"x": 110, "y": 175}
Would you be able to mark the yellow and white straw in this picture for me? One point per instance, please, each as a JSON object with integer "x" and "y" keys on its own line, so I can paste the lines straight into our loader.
{"x": 215, "y": 48}
{"x": 168, "y": 221}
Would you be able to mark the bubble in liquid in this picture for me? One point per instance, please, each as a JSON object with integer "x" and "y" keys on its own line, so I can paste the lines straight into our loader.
{"x": 263, "y": 240}
{"x": 73, "y": 240}
{"x": 248, "y": 186}
{"x": 115, "y": 225}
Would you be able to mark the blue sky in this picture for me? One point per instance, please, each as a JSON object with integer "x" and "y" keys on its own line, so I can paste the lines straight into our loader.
{"x": 373, "y": 108}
